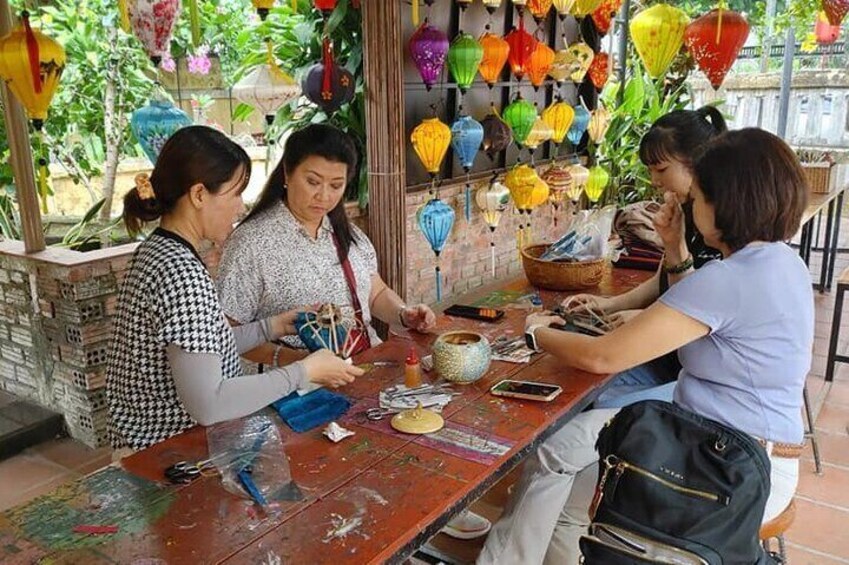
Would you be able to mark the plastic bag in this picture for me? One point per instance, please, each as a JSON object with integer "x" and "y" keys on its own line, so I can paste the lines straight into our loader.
{"x": 249, "y": 455}
{"x": 587, "y": 238}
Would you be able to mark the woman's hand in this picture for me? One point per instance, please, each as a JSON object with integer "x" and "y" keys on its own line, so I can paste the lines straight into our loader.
{"x": 284, "y": 323}
{"x": 622, "y": 317}
{"x": 589, "y": 302}
{"x": 669, "y": 224}
{"x": 544, "y": 318}
{"x": 326, "y": 369}
{"x": 419, "y": 317}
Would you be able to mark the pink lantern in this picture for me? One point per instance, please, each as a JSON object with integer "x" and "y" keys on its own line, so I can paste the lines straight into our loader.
{"x": 428, "y": 48}
{"x": 153, "y": 22}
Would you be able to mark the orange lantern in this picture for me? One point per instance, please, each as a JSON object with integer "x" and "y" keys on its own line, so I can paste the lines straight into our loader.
{"x": 430, "y": 140}
{"x": 540, "y": 63}
{"x": 495, "y": 52}
{"x": 262, "y": 7}
{"x": 825, "y": 32}
{"x": 559, "y": 116}
{"x": 31, "y": 64}
{"x": 522, "y": 44}
{"x": 539, "y": 9}
{"x": 598, "y": 70}
{"x": 602, "y": 15}
{"x": 658, "y": 33}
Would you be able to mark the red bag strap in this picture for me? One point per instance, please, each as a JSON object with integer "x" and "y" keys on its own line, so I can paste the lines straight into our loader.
{"x": 352, "y": 288}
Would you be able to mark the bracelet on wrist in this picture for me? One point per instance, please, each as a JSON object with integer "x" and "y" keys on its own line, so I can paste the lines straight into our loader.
{"x": 401, "y": 315}
{"x": 681, "y": 267}
{"x": 275, "y": 357}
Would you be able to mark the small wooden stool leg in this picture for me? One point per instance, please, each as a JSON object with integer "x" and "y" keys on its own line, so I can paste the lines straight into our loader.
{"x": 810, "y": 431}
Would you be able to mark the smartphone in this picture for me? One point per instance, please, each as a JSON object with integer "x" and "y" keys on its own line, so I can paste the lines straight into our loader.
{"x": 474, "y": 313}
{"x": 526, "y": 389}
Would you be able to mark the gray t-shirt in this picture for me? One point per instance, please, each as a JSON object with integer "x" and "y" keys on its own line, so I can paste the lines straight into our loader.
{"x": 271, "y": 264}
{"x": 748, "y": 372}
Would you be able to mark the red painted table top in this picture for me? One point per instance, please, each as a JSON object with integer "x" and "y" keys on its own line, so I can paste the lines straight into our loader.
{"x": 372, "y": 498}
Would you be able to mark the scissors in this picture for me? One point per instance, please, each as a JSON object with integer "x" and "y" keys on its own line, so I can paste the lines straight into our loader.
{"x": 377, "y": 414}
{"x": 397, "y": 392}
{"x": 370, "y": 365}
{"x": 184, "y": 472}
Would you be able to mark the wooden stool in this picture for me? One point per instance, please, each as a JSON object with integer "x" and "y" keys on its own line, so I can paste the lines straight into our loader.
{"x": 776, "y": 527}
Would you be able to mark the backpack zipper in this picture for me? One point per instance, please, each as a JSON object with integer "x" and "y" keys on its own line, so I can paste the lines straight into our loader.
{"x": 642, "y": 547}
{"x": 613, "y": 462}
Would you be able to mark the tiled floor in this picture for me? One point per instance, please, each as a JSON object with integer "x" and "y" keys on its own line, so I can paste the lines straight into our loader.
{"x": 817, "y": 537}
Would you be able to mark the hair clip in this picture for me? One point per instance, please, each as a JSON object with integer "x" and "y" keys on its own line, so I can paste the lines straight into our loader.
{"x": 143, "y": 186}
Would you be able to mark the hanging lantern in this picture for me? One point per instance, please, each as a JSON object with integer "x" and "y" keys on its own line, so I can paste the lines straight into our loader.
{"x": 520, "y": 116}
{"x": 658, "y": 33}
{"x": 464, "y": 4}
{"x": 714, "y": 40}
{"x": 153, "y": 124}
{"x": 521, "y": 44}
{"x": 540, "y": 132}
{"x": 31, "y": 64}
{"x": 539, "y": 9}
{"x": 328, "y": 85}
{"x": 466, "y": 139}
{"x": 464, "y": 56}
{"x": 599, "y": 122}
{"x": 492, "y": 199}
{"x": 435, "y": 219}
{"x": 430, "y": 140}
{"x": 153, "y": 23}
{"x": 583, "y": 8}
{"x": 266, "y": 88}
{"x": 580, "y": 174}
{"x": 326, "y": 6}
{"x": 579, "y": 58}
{"x": 528, "y": 191}
{"x": 428, "y": 47}
{"x": 604, "y": 13}
{"x": 539, "y": 64}
{"x": 597, "y": 180}
{"x": 496, "y": 135}
{"x": 559, "y": 116}
{"x": 598, "y": 70}
{"x": 495, "y": 52}
{"x": 262, "y": 7}
{"x": 559, "y": 182}
{"x": 835, "y": 10}
{"x": 491, "y": 5}
{"x": 563, "y": 7}
{"x": 579, "y": 125}
{"x": 824, "y": 31}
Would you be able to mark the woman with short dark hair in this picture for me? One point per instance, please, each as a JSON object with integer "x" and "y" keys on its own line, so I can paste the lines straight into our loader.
{"x": 743, "y": 327}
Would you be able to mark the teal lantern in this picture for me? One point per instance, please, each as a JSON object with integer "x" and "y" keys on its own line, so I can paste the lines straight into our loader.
{"x": 153, "y": 124}
{"x": 464, "y": 56}
{"x": 466, "y": 139}
{"x": 579, "y": 125}
{"x": 435, "y": 219}
{"x": 520, "y": 115}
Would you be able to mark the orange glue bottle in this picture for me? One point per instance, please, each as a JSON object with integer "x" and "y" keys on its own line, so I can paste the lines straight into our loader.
{"x": 412, "y": 370}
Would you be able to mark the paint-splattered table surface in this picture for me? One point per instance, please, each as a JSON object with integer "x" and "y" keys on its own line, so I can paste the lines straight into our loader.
{"x": 374, "y": 497}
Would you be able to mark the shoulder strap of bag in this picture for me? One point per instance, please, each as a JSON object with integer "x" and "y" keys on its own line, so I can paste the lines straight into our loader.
{"x": 352, "y": 288}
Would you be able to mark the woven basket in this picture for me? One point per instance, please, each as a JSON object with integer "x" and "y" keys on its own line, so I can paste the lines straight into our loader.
{"x": 560, "y": 275}
{"x": 818, "y": 175}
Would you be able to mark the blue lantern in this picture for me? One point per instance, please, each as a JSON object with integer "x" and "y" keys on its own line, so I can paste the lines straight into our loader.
{"x": 466, "y": 138}
{"x": 153, "y": 124}
{"x": 579, "y": 125}
{"x": 435, "y": 219}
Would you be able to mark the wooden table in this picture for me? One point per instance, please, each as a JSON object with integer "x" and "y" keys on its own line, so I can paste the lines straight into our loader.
{"x": 816, "y": 204}
{"x": 375, "y": 497}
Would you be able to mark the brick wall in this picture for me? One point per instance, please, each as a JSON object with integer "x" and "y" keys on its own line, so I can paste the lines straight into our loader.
{"x": 465, "y": 261}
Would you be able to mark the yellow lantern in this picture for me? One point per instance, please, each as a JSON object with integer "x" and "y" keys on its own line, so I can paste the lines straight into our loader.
{"x": 560, "y": 68}
{"x": 539, "y": 194}
{"x": 599, "y": 122}
{"x": 563, "y": 7}
{"x": 582, "y": 8}
{"x": 580, "y": 175}
{"x": 658, "y": 33}
{"x": 31, "y": 64}
{"x": 262, "y": 7}
{"x": 559, "y": 116}
{"x": 579, "y": 58}
{"x": 520, "y": 181}
{"x": 597, "y": 180}
{"x": 540, "y": 132}
{"x": 430, "y": 140}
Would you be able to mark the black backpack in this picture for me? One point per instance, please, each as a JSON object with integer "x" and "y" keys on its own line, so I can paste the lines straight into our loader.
{"x": 676, "y": 488}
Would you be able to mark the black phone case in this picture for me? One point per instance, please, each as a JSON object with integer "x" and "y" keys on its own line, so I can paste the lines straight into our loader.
{"x": 473, "y": 313}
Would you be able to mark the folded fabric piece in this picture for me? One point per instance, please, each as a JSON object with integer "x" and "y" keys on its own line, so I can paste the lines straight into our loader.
{"x": 636, "y": 220}
{"x": 303, "y": 413}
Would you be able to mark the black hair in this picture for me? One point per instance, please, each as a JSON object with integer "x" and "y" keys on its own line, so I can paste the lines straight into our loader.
{"x": 192, "y": 155}
{"x": 680, "y": 134}
{"x": 319, "y": 140}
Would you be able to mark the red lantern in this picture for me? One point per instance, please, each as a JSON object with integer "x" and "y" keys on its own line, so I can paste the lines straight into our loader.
{"x": 598, "y": 70}
{"x": 325, "y": 6}
{"x": 602, "y": 15}
{"x": 835, "y": 10}
{"x": 521, "y": 44}
{"x": 714, "y": 40}
{"x": 825, "y": 32}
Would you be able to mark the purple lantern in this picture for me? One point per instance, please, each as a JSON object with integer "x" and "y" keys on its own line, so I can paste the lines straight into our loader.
{"x": 428, "y": 48}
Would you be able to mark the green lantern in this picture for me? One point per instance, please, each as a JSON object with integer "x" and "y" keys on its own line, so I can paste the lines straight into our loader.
{"x": 596, "y": 183}
{"x": 520, "y": 115}
{"x": 464, "y": 56}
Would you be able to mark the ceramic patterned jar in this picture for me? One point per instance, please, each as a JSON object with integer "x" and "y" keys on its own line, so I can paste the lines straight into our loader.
{"x": 461, "y": 356}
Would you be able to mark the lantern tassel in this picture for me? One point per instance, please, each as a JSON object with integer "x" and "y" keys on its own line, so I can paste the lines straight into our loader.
{"x": 326, "y": 92}
{"x": 438, "y": 282}
{"x": 468, "y": 207}
{"x": 294, "y": 6}
{"x": 125, "y": 15}
{"x": 43, "y": 187}
{"x": 416, "y": 13}
{"x": 492, "y": 252}
{"x": 32, "y": 51}
{"x": 719, "y": 22}
{"x": 194, "y": 22}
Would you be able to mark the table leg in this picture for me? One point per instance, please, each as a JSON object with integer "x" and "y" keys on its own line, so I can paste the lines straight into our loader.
{"x": 826, "y": 247}
{"x": 803, "y": 241}
{"x": 835, "y": 239}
